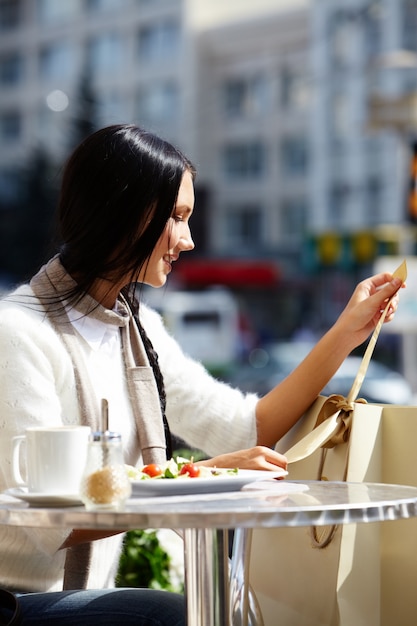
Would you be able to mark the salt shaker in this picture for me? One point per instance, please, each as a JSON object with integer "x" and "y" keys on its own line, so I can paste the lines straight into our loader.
{"x": 105, "y": 484}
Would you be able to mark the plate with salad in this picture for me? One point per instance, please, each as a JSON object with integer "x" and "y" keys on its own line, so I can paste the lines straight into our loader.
{"x": 182, "y": 476}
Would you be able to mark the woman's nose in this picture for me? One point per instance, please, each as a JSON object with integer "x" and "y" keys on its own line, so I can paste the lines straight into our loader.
{"x": 186, "y": 241}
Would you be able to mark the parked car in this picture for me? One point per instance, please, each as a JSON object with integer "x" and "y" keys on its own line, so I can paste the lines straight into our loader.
{"x": 267, "y": 366}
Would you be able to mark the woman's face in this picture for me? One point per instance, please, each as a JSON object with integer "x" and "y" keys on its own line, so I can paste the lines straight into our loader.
{"x": 175, "y": 239}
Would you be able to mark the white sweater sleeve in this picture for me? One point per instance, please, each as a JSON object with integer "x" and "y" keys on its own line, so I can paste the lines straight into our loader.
{"x": 207, "y": 413}
{"x": 35, "y": 379}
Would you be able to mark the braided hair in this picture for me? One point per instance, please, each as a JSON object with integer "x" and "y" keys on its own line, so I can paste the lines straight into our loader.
{"x": 159, "y": 379}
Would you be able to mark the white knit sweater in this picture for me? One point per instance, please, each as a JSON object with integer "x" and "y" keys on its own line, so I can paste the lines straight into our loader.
{"x": 37, "y": 387}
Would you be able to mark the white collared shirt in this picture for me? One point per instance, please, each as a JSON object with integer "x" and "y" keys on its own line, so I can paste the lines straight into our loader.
{"x": 103, "y": 351}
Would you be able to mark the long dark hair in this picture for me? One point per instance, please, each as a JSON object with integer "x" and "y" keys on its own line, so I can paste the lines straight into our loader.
{"x": 118, "y": 191}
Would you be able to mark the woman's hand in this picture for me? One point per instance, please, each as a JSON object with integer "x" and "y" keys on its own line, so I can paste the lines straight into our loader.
{"x": 366, "y": 305}
{"x": 256, "y": 458}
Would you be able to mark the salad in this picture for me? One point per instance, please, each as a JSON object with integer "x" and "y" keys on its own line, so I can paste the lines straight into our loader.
{"x": 177, "y": 468}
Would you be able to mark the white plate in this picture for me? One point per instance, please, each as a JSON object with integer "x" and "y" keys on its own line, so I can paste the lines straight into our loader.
{"x": 182, "y": 486}
{"x": 44, "y": 499}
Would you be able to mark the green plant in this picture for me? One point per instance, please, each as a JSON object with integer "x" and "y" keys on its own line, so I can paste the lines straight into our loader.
{"x": 143, "y": 562}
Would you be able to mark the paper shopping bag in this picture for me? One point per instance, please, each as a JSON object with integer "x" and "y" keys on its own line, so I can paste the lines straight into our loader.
{"x": 326, "y": 576}
{"x": 399, "y": 539}
{"x": 299, "y": 583}
{"x": 334, "y": 590}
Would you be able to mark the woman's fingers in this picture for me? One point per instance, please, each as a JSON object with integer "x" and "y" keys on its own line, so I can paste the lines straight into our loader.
{"x": 258, "y": 458}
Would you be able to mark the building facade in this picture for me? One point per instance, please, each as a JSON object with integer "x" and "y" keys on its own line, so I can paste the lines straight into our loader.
{"x": 271, "y": 99}
{"x": 363, "y": 51}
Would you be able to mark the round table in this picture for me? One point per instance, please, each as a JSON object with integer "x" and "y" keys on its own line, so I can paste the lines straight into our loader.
{"x": 204, "y": 519}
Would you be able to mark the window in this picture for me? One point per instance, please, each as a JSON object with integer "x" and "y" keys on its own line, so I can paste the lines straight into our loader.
{"x": 10, "y": 69}
{"x": 50, "y": 132}
{"x": 10, "y": 126}
{"x": 293, "y": 217}
{"x": 294, "y": 156}
{"x": 105, "y": 5}
{"x": 245, "y": 160}
{"x": 159, "y": 40}
{"x": 338, "y": 209}
{"x": 158, "y": 102}
{"x": 106, "y": 52}
{"x": 111, "y": 107}
{"x": 343, "y": 38}
{"x": 410, "y": 81}
{"x": 157, "y": 2}
{"x": 10, "y": 187}
{"x": 245, "y": 97}
{"x": 294, "y": 89}
{"x": 244, "y": 225}
{"x": 339, "y": 118}
{"x": 51, "y": 11}
{"x": 56, "y": 61}
{"x": 373, "y": 201}
{"x": 372, "y": 31}
{"x": 9, "y": 14}
{"x": 409, "y": 25}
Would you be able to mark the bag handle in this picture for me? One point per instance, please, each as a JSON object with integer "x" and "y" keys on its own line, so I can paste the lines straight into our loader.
{"x": 334, "y": 417}
{"x": 401, "y": 273}
{"x": 9, "y": 602}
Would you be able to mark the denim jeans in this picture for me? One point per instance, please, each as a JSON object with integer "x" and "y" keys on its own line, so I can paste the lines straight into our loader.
{"x": 108, "y": 607}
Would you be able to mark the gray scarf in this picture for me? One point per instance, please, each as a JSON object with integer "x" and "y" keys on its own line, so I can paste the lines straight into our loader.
{"x": 50, "y": 286}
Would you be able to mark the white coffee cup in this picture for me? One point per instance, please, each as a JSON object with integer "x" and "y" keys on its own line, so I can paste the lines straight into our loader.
{"x": 54, "y": 458}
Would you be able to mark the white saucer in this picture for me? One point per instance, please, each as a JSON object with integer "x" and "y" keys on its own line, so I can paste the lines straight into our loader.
{"x": 44, "y": 499}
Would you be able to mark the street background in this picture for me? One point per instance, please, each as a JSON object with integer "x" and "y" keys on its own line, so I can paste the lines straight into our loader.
{"x": 300, "y": 116}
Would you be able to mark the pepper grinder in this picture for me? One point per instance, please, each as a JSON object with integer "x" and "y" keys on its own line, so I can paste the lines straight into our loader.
{"x": 105, "y": 484}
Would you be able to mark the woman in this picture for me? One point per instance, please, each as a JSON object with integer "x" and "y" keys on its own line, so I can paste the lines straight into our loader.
{"x": 75, "y": 334}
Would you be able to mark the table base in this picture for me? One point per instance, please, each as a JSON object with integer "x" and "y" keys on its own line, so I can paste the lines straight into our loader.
{"x": 216, "y": 591}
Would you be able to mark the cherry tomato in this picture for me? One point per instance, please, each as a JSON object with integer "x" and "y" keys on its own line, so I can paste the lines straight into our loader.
{"x": 191, "y": 469}
{"x": 152, "y": 470}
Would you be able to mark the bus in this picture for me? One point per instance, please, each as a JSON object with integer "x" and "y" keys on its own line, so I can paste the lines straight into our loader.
{"x": 205, "y": 323}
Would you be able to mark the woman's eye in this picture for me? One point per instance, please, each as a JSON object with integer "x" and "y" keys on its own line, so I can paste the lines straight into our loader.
{"x": 178, "y": 218}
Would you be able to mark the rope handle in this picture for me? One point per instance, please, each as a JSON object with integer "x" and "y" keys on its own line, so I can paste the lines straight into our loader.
{"x": 401, "y": 273}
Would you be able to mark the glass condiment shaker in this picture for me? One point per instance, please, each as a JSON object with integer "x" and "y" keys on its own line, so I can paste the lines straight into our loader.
{"x": 105, "y": 484}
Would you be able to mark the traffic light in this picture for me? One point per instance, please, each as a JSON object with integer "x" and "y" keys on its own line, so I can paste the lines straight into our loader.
{"x": 412, "y": 191}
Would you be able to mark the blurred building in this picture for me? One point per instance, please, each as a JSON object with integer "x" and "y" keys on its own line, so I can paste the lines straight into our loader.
{"x": 253, "y": 115}
{"x": 224, "y": 81}
{"x": 364, "y": 117}
{"x": 134, "y": 55}
{"x": 272, "y": 99}
{"x": 254, "y": 102}
{"x": 363, "y": 52}
{"x": 139, "y": 58}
